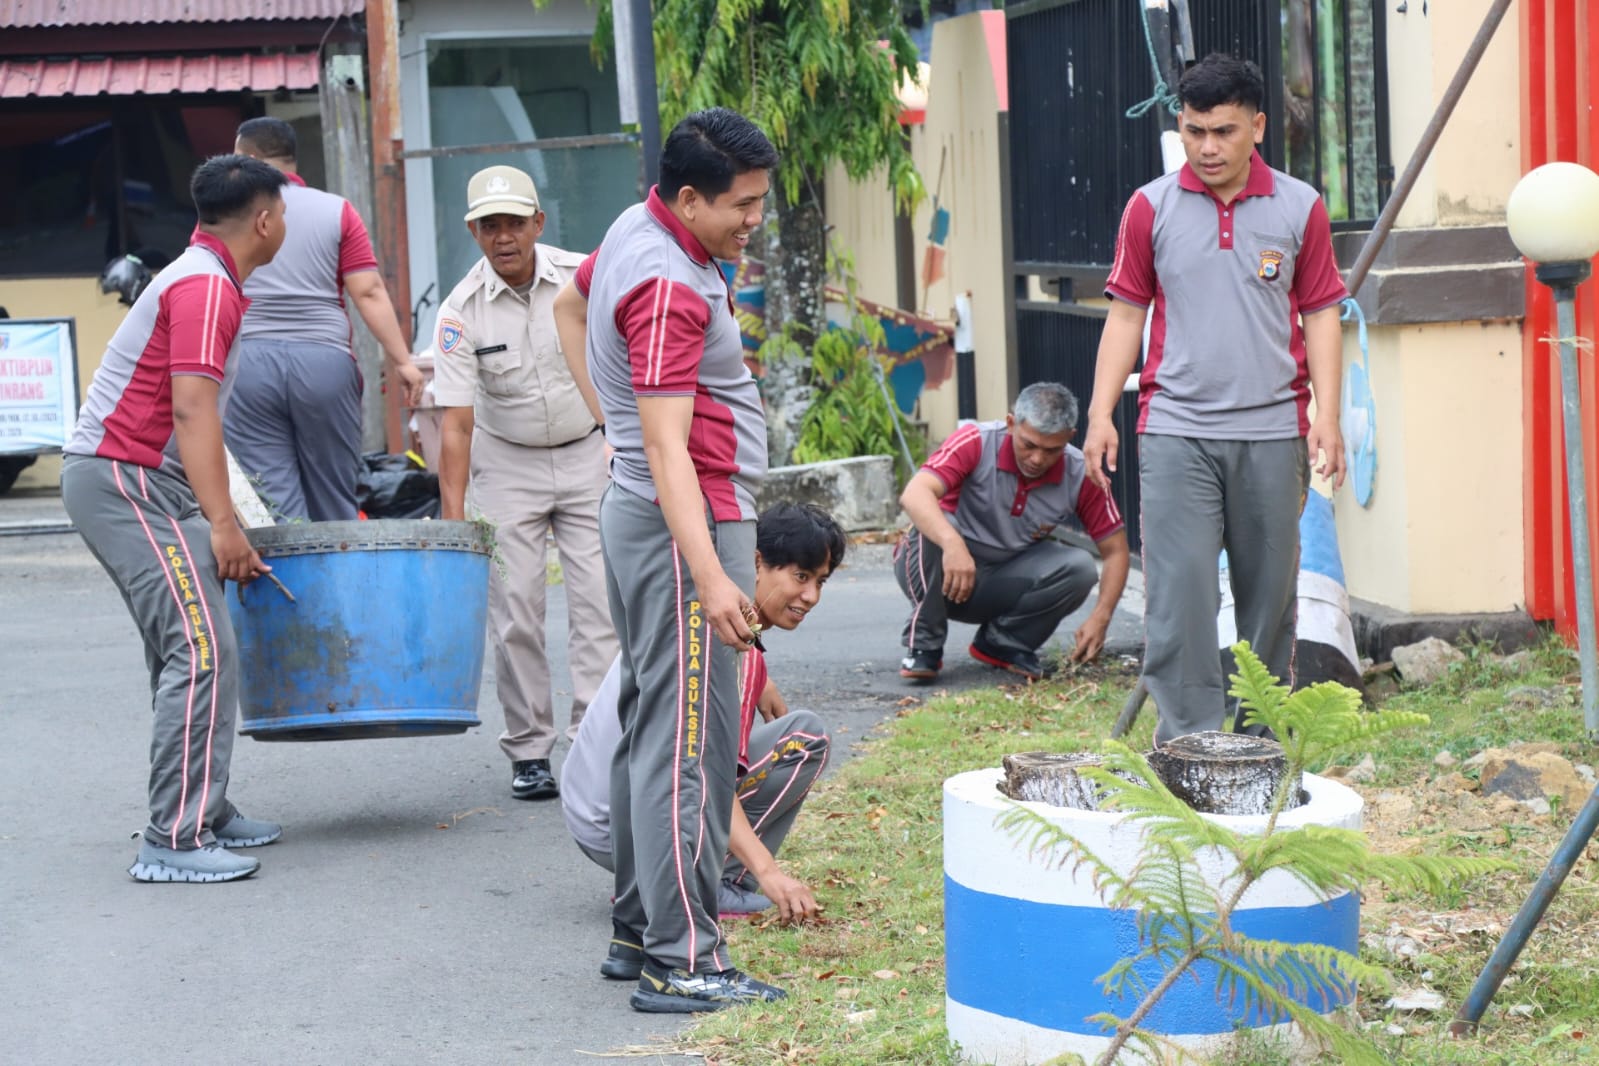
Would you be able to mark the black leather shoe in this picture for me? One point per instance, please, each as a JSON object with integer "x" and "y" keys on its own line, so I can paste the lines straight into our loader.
{"x": 624, "y": 960}
{"x": 531, "y": 780}
{"x": 1024, "y": 663}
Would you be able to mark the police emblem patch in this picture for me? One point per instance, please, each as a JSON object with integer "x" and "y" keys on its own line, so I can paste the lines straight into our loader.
{"x": 1270, "y": 263}
{"x": 449, "y": 335}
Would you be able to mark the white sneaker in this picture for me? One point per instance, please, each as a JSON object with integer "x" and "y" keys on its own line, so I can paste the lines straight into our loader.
{"x": 205, "y": 864}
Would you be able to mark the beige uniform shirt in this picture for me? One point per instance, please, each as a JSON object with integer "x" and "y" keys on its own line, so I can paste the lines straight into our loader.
{"x": 496, "y": 351}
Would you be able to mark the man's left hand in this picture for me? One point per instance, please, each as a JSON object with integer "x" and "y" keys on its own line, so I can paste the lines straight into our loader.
{"x": 411, "y": 382}
{"x": 1089, "y": 639}
{"x": 1326, "y": 442}
{"x": 793, "y": 897}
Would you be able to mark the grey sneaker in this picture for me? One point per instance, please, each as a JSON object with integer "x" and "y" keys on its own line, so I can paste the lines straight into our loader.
{"x": 210, "y": 863}
{"x": 242, "y": 832}
{"x": 735, "y": 901}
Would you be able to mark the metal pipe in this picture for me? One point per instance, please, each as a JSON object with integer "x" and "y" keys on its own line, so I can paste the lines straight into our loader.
{"x": 1563, "y": 278}
{"x": 543, "y": 144}
{"x": 1429, "y": 138}
{"x": 1577, "y": 497}
{"x": 1527, "y": 919}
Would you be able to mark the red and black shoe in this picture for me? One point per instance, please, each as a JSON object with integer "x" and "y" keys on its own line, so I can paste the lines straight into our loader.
{"x": 1025, "y": 663}
{"x": 921, "y": 665}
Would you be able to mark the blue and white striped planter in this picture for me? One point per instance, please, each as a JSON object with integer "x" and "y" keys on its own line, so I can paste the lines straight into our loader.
{"x": 1025, "y": 941}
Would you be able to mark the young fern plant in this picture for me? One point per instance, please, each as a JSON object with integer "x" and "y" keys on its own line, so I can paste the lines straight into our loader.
{"x": 1185, "y": 910}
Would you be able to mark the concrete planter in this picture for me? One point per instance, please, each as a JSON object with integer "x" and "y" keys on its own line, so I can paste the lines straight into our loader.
{"x": 1025, "y": 941}
{"x": 859, "y": 493}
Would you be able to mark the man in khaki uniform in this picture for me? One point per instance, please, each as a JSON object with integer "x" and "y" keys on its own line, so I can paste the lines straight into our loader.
{"x": 516, "y": 422}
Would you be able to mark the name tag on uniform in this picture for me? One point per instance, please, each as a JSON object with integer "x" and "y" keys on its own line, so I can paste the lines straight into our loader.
{"x": 490, "y": 350}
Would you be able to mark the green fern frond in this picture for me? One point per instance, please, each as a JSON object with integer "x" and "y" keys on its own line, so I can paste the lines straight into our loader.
{"x": 1254, "y": 687}
{"x": 1435, "y": 874}
{"x": 1349, "y": 1048}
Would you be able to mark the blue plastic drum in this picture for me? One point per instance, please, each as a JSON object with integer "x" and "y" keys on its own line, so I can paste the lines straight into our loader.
{"x": 383, "y": 638}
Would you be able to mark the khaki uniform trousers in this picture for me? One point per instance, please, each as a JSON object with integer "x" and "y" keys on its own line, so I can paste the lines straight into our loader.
{"x": 526, "y": 492}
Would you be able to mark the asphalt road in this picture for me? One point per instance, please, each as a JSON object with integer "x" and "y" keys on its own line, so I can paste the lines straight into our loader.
{"x": 412, "y": 913}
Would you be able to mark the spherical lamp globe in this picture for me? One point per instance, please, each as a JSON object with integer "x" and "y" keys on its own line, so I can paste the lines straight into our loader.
{"x": 1553, "y": 213}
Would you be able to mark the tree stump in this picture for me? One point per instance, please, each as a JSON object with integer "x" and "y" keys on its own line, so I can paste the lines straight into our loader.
{"x": 1223, "y": 773}
{"x": 1051, "y": 777}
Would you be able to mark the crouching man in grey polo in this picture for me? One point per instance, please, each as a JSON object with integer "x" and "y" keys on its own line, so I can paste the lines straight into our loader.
{"x": 780, "y": 756}
{"x": 984, "y": 506}
{"x": 1234, "y": 262}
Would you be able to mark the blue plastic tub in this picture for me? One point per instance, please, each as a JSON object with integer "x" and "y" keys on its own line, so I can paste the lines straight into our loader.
{"x": 384, "y": 637}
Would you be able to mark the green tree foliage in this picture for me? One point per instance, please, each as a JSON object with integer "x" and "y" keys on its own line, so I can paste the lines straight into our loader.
{"x": 1184, "y": 917}
{"x": 811, "y": 73}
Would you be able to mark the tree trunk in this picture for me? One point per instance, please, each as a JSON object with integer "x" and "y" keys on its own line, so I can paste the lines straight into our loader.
{"x": 1222, "y": 773}
{"x": 796, "y": 271}
{"x": 1051, "y": 777}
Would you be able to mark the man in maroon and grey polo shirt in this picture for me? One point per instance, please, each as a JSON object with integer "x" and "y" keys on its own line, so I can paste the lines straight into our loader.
{"x": 1233, "y": 261}
{"x": 294, "y": 420}
{"x": 145, "y": 481}
{"x": 665, "y": 365}
{"x": 984, "y": 506}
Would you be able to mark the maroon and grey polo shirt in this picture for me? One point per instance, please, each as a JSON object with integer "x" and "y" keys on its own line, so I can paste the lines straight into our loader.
{"x": 186, "y": 322}
{"x": 990, "y": 503}
{"x": 1228, "y": 283}
{"x": 299, "y": 296}
{"x": 661, "y": 324}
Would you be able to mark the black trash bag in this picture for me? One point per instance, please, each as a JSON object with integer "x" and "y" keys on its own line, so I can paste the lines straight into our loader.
{"x": 392, "y": 486}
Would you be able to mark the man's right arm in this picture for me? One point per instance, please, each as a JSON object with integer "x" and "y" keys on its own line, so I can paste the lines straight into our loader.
{"x": 1131, "y": 288}
{"x": 921, "y": 502}
{"x": 1119, "y": 345}
{"x": 455, "y": 461}
{"x": 572, "y": 327}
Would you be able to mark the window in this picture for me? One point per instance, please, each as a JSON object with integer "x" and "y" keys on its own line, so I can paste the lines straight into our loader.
{"x": 80, "y": 186}
{"x": 499, "y": 91}
{"x": 1333, "y": 72}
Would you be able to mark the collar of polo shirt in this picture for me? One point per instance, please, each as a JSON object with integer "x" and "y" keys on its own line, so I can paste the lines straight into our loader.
{"x": 1006, "y": 461}
{"x": 1259, "y": 183}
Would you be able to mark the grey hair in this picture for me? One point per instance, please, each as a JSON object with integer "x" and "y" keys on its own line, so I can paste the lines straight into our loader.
{"x": 1047, "y": 406}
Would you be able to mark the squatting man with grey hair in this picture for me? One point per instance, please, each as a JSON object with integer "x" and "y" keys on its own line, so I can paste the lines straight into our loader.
{"x": 980, "y": 551}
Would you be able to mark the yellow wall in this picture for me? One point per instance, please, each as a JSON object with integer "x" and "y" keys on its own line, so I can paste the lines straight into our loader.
{"x": 97, "y": 315}
{"x": 1478, "y": 157}
{"x": 1444, "y": 532}
{"x": 962, "y": 126}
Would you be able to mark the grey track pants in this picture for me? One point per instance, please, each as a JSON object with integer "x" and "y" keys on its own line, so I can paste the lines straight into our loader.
{"x": 787, "y": 755}
{"x": 1200, "y": 496}
{"x": 1018, "y": 599}
{"x": 146, "y": 529}
{"x": 293, "y": 421}
{"x": 675, "y": 768}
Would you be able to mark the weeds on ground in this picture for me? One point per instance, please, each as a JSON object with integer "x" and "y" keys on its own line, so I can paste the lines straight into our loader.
{"x": 867, "y": 985}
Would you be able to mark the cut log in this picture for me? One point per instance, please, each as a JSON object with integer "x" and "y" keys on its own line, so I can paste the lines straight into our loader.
{"x": 1223, "y": 773}
{"x": 1051, "y": 777}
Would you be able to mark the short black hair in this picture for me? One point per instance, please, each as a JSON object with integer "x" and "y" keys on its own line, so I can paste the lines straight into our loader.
{"x": 272, "y": 138}
{"x": 708, "y": 149}
{"x": 799, "y": 534}
{"x": 1222, "y": 79}
{"x": 227, "y": 187}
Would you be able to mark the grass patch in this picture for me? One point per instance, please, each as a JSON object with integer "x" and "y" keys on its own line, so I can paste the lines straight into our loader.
{"x": 867, "y": 984}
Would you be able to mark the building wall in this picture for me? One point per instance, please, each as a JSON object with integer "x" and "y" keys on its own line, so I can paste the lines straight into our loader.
{"x": 1444, "y": 530}
{"x": 961, "y": 131}
{"x": 97, "y": 316}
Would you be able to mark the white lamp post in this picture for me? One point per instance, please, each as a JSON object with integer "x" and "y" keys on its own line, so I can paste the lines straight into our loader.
{"x": 1553, "y": 213}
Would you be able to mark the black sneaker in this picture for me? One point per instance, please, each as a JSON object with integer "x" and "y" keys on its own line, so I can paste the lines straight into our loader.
{"x": 531, "y": 780}
{"x": 921, "y": 665}
{"x": 624, "y": 959}
{"x": 666, "y": 991}
{"x": 1024, "y": 663}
